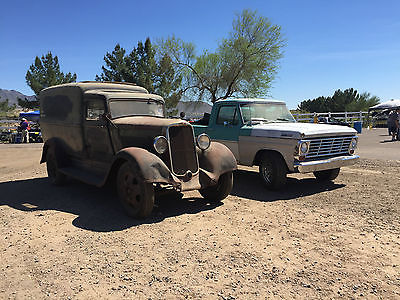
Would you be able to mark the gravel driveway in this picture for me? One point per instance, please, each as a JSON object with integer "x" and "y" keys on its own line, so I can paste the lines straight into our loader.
{"x": 310, "y": 240}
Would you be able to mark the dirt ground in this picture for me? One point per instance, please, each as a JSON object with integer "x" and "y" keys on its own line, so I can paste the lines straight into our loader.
{"x": 311, "y": 240}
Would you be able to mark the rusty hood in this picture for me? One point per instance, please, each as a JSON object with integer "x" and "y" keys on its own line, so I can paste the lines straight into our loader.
{"x": 140, "y": 131}
{"x": 147, "y": 121}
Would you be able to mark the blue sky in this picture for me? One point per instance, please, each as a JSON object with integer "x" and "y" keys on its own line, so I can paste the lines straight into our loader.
{"x": 331, "y": 45}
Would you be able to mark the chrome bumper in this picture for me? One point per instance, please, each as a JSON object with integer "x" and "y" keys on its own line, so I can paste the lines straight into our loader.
{"x": 326, "y": 164}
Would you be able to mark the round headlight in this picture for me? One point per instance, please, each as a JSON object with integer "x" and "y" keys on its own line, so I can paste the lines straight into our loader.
{"x": 160, "y": 144}
{"x": 203, "y": 141}
{"x": 353, "y": 144}
{"x": 304, "y": 146}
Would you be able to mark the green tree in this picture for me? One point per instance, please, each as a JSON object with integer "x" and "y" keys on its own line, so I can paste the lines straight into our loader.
{"x": 244, "y": 64}
{"x": 363, "y": 102}
{"x": 347, "y": 100}
{"x": 45, "y": 72}
{"x": 144, "y": 67}
{"x": 34, "y": 104}
{"x": 118, "y": 66}
{"x": 167, "y": 83}
{"x": 5, "y": 106}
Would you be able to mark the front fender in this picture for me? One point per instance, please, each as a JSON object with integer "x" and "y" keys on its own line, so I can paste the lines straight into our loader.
{"x": 153, "y": 169}
{"x": 214, "y": 162}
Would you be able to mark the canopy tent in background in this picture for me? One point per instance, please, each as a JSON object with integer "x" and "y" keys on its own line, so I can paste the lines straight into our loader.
{"x": 30, "y": 115}
{"x": 391, "y": 104}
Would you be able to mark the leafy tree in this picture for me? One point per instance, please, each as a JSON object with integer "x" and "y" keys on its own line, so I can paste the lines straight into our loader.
{"x": 167, "y": 83}
{"x": 144, "y": 67}
{"x": 34, "y": 104}
{"x": 118, "y": 66}
{"x": 45, "y": 72}
{"x": 363, "y": 102}
{"x": 244, "y": 64}
{"x": 347, "y": 100}
{"x": 5, "y": 107}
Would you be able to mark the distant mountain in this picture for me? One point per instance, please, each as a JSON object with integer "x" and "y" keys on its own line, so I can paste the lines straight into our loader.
{"x": 13, "y": 96}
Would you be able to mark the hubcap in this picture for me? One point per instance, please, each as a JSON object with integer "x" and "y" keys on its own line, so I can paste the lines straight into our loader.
{"x": 267, "y": 173}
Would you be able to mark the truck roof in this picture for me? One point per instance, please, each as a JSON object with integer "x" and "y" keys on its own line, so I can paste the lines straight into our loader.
{"x": 103, "y": 86}
{"x": 249, "y": 100}
{"x": 125, "y": 95}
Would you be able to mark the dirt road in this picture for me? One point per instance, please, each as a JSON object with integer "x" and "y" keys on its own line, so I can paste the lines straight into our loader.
{"x": 311, "y": 240}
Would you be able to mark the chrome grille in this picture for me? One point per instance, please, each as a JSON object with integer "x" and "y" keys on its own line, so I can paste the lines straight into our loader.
{"x": 182, "y": 149}
{"x": 328, "y": 147}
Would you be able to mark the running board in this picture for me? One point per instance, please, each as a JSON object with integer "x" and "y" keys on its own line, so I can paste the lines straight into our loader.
{"x": 84, "y": 175}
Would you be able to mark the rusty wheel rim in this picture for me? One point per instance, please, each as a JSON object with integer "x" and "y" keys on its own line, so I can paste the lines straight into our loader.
{"x": 130, "y": 187}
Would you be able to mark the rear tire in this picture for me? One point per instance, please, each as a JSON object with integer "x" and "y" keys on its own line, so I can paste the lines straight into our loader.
{"x": 221, "y": 190}
{"x": 55, "y": 176}
{"x": 273, "y": 171}
{"x": 136, "y": 196}
{"x": 327, "y": 174}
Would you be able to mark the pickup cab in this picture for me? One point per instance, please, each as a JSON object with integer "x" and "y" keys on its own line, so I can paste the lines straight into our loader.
{"x": 100, "y": 132}
{"x": 263, "y": 133}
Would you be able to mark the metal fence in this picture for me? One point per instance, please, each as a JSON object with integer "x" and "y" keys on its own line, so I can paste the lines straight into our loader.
{"x": 347, "y": 117}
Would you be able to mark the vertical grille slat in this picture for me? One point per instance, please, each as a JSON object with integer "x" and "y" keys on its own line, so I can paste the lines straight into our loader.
{"x": 183, "y": 149}
{"x": 327, "y": 147}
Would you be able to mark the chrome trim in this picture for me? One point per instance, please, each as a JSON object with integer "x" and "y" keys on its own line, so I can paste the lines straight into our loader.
{"x": 351, "y": 141}
{"x": 170, "y": 153}
{"x": 198, "y": 144}
{"x": 326, "y": 164}
{"x": 328, "y": 146}
{"x": 298, "y": 148}
{"x": 156, "y": 139}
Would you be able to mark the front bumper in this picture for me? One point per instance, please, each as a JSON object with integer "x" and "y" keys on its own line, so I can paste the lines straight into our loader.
{"x": 326, "y": 164}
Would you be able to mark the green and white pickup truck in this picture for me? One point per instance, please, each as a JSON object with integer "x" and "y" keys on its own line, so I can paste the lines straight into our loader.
{"x": 264, "y": 133}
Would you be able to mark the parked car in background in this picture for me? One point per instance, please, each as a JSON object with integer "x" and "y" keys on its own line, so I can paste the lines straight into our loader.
{"x": 264, "y": 133}
{"x": 112, "y": 132}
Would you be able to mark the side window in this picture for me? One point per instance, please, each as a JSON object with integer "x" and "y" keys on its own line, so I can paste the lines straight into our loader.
{"x": 227, "y": 115}
{"x": 246, "y": 113}
{"x": 94, "y": 108}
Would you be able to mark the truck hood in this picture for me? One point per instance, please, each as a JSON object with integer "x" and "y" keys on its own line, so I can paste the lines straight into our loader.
{"x": 147, "y": 121}
{"x": 140, "y": 131}
{"x": 300, "y": 130}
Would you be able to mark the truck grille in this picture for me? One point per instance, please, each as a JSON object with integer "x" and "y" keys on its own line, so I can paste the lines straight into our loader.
{"x": 183, "y": 149}
{"x": 328, "y": 147}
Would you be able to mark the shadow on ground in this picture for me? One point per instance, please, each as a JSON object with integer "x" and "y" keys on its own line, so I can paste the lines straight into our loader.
{"x": 97, "y": 209}
{"x": 388, "y": 141}
{"x": 248, "y": 184}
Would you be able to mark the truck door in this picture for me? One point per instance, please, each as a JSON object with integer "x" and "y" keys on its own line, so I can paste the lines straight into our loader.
{"x": 226, "y": 128}
{"x": 97, "y": 138}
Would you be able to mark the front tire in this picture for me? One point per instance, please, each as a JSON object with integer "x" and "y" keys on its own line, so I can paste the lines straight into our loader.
{"x": 55, "y": 176}
{"x": 136, "y": 196}
{"x": 326, "y": 175}
{"x": 273, "y": 171}
{"x": 221, "y": 190}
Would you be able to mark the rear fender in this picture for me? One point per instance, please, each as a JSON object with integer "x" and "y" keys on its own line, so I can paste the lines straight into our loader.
{"x": 152, "y": 168}
{"x": 53, "y": 145}
{"x": 215, "y": 161}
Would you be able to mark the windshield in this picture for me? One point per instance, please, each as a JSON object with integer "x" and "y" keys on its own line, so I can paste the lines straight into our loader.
{"x": 266, "y": 112}
{"x": 124, "y": 108}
